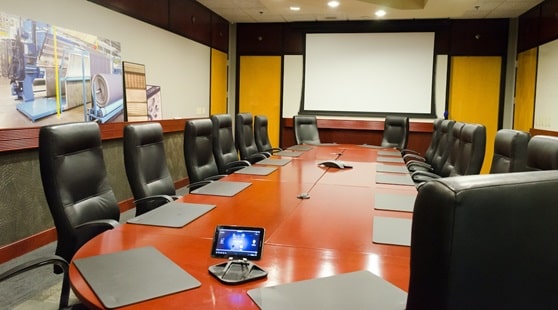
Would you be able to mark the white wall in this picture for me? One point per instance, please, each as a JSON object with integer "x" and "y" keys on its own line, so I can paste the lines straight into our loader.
{"x": 546, "y": 108}
{"x": 179, "y": 65}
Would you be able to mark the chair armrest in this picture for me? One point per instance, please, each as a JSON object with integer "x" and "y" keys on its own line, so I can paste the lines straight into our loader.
{"x": 423, "y": 176}
{"x": 409, "y": 151}
{"x": 35, "y": 263}
{"x": 236, "y": 165}
{"x": 419, "y": 166}
{"x": 149, "y": 203}
{"x": 39, "y": 262}
{"x": 254, "y": 158}
{"x": 196, "y": 185}
{"x": 413, "y": 157}
{"x": 98, "y": 225}
{"x": 86, "y": 231}
{"x": 215, "y": 177}
{"x": 163, "y": 198}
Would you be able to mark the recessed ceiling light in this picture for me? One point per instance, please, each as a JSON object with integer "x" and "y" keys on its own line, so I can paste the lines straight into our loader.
{"x": 380, "y": 13}
{"x": 333, "y": 4}
{"x": 294, "y": 8}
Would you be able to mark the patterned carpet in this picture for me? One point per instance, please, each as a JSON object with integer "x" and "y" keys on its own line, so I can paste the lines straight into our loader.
{"x": 35, "y": 289}
{"x": 38, "y": 288}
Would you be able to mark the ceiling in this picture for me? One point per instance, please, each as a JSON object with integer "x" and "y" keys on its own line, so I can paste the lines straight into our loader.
{"x": 264, "y": 11}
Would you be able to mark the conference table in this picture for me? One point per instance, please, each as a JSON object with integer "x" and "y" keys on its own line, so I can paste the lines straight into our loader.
{"x": 328, "y": 233}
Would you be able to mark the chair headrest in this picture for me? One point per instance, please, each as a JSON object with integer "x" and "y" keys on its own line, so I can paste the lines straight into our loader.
{"x": 244, "y": 118}
{"x": 70, "y": 137}
{"x": 199, "y": 127}
{"x": 509, "y": 141}
{"x": 221, "y": 120}
{"x": 542, "y": 153}
{"x": 144, "y": 133}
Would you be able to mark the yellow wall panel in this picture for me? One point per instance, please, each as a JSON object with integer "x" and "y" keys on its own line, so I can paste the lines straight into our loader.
{"x": 474, "y": 95}
{"x": 525, "y": 84}
{"x": 219, "y": 69}
{"x": 260, "y": 90}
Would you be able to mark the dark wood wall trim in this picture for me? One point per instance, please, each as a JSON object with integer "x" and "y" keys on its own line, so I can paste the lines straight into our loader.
{"x": 456, "y": 37}
{"x": 474, "y": 37}
{"x": 548, "y": 26}
{"x": 152, "y": 12}
{"x": 538, "y": 25}
{"x": 528, "y": 29}
{"x": 537, "y": 132}
{"x": 359, "y": 132}
{"x": 264, "y": 39}
{"x": 187, "y": 18}
{"x": 28, "y": 138}
{"x": 190, "y": 19}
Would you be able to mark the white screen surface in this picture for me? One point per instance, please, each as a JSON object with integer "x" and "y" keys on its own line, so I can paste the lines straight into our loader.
{"x": 369, "y": 72}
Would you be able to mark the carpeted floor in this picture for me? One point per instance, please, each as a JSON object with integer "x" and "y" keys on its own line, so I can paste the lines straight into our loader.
{"x": 38, "y": 288}
{"x": 35, "y": 289}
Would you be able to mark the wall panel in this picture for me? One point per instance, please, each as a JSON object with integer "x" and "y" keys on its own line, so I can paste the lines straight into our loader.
{"x": 259, "y": 90}
{"x": 548, "y": 29}
{"x": 219, "y": 78}
{"x": 190, "y": 19}
{"x": 152, "y": 12}
{"x": 528, "y": 32}
{"x": 474, "y": 95}
{"x": 525, "y": 90}
{"x": 479, "y": 37}
{"x": 259, "y": 39}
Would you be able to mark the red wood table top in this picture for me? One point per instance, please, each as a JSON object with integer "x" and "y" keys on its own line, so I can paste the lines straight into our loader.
{"x": 327, "y": 234}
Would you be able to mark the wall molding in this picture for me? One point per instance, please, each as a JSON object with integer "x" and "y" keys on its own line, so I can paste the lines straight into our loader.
{"x": 28, "y": 138}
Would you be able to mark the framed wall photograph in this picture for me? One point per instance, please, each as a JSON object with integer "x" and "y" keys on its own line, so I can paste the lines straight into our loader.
{"x": 50, "y": 74}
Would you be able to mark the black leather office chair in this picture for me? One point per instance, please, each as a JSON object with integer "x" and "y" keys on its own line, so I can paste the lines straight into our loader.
{"x": 510, "y": 151}
{"x": 542, "y": 153}
{"x": 485, "y": 242}
{"x": 441, "y": 152}
{"x": 146, "y": 166}
{"x": 244, "y": 138}
{"x": 466, "y": 156}
{"x": 198, "y": 151}
{"x": 224, "y": 150}
{"x": 33, "y": 264}
{"x": 472, "y": 150}
{"x": 447, "y": 167}
{"x": 409, "y": 154}
{"x": 306, "y": 129}
{"x": 261, "y": 135}
{"x": 396, "y": 132}
{"x": 76, "y": 185}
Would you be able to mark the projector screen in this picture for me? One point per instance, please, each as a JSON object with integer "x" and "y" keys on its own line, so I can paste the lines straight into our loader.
{"x": 371, "y": 73}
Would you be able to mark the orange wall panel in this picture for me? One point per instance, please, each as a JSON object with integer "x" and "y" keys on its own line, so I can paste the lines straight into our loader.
{"x": 474, "y": 95}
{"x": 260, "y": 90}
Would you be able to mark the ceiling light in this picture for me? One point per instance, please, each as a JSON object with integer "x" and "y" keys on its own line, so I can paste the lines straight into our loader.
{"x": 294, "y": 8}
{"x": 333, "y": 4}
{"x": 380, "y": 13}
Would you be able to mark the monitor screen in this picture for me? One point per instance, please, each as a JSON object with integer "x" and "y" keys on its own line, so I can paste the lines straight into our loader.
{"x": 238, "y": 242}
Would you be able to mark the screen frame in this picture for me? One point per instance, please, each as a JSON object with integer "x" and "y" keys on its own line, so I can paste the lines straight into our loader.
{"x": 251, "y": 229}
{"x": 304, "y": 109}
